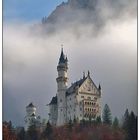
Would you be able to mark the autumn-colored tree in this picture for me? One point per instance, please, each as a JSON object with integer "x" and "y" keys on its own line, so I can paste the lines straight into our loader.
{"x": 8, "y": 131}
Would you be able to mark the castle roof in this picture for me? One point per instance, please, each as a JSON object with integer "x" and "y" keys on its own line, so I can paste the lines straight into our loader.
{"x": 62, "y": 58}
{"x": 72, "y": 88}
{"x": 31, "y": 105}
{"x": 99, "y": 87}
{"x": 53, "y": 101}
{"x": 33, "y": 115}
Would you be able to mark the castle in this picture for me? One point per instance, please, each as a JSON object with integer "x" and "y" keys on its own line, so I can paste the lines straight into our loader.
{"x": 79, "y": 101}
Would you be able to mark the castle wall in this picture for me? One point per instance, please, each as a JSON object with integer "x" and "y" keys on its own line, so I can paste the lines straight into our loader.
{"x": 53, "y": 109}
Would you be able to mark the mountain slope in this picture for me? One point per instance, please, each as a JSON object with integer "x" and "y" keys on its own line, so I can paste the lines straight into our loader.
{"x": 92, "y": 11}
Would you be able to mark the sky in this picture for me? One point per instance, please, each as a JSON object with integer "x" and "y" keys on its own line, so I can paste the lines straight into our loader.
{"x": 28, "y": 10}
{"x": 105, "y": 44}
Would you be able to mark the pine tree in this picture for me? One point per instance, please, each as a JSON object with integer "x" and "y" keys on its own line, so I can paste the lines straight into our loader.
{"x": 21, "y": 134}
{"x": 130, "y": 125}
{"x": 115, "y": 123}
{"x": 98, "y": 120}
{"x": 125, "y": 120}
{"x": 32, "y": 133}
{"x": 48, "y": 131}
{"x": 107, "y": 118}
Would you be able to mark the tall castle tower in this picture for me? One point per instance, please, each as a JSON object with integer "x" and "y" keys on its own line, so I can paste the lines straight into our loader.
{"x": 62, "y": 82}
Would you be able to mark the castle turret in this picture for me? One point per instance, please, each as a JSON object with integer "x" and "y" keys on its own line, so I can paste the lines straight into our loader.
{"x": 62, "y": 82}
{"x": 100, "y": 90}
{"x": 31, "y": 118}
{"x": 30, "y": 109}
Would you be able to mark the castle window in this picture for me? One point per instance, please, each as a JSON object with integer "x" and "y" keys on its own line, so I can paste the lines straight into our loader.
{"x": 60, "y": 100}
{"x": 80, "y": 109}
{"x": 61, "y": 109}
{"x": 70, "y": 98}
{"x": 95, "y": 98}
{"x": 82, "y": 96}
{"x": 88, "y": 88}
{"x": 94, "y": 104}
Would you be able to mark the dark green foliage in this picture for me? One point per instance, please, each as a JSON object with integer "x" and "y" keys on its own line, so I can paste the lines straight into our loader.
{"x": 98, "y": 120}
{"x": 125, "y": 119}
{"x": 32, "y": 133}
{"x": 130, "y": 125}
{"x": 48, "y": 131}
{"x": 115, "y": 123}
{"x": 21, "y": 134}
{"x": 70, "y": 125}
{"x": 107, "y": 118}
{"x": 83, "y": 123}
{"x": 74, "y": 120}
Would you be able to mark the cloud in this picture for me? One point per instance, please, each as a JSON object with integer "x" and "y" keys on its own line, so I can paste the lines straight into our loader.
{"x": 30, "y": 58}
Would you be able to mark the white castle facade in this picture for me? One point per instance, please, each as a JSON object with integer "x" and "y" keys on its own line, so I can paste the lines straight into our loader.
{"x": 79, "y": 101}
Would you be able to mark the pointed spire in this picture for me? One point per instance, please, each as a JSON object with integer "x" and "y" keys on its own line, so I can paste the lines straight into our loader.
{"x": 99, "y": 87}
{"x": 62, "y": 56}
{"x": 88, "y": 73}
{"x": 83, "y": 75}
{"x": 66, "y": 59}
